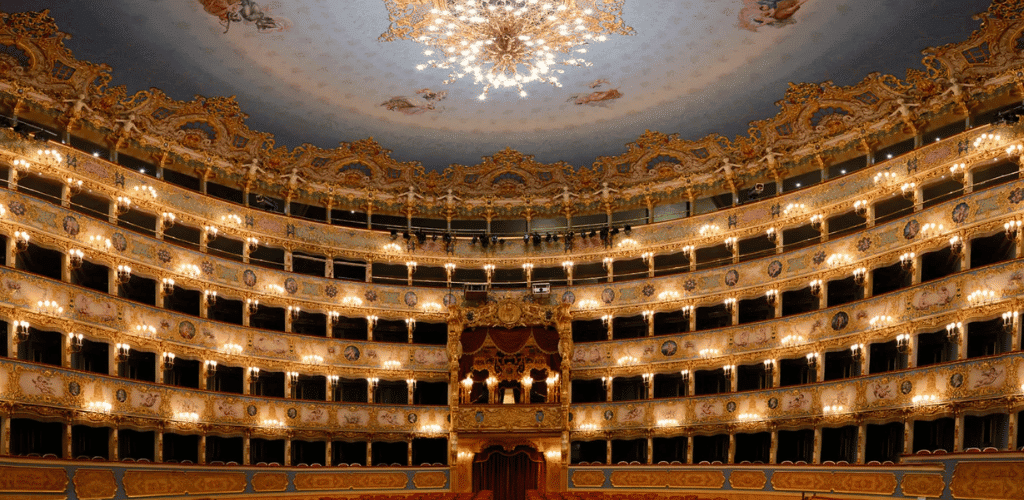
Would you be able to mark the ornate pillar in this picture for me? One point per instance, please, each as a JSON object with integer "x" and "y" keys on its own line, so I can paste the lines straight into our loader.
{"x": 287, "y": 449}
{"x": 369, "y": 451}
{"x": 958, "y": 431}
{"x": 1011, "y": 429}
{"x": 731, "y": 455}
{"x": 608, "y": 452}
{"x": 158, "y": 445}
{"x": 773, "y": 449}
{"x": 112, "y": 444}
{"x": 201, "y": 459}
{"x": 328, "y": 453}
{"x": 908, "y": 437}
{"x": 816, "y": 458}
{"x": 689, "y": 449}
{"x": 67, "y": 453}
{"x": 246, "y": 443}
{"x": 862, "y": 442}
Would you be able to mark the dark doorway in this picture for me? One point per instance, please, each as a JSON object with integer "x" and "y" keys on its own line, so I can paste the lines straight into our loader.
{"x": 509, "y": 474}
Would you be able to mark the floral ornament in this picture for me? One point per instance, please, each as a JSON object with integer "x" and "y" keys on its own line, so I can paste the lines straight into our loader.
{"x": 864, "y": 244}
{"x": 164, "y": 255}
{"x": 647, "y": 290}
{"x": 330, "y": 291}
{"x": 207, "y": 267}
{"x": 17, "y": 208}
{"x": 960, "y": 213}
{"x": 1016, "y": 196}
{"x": 819, "y": 257}
{"x": 690, "y": 285}
{"x": 370, "y": 295}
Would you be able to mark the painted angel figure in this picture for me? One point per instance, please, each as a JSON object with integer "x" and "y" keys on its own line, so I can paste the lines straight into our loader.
{"x": 78, "y": 104}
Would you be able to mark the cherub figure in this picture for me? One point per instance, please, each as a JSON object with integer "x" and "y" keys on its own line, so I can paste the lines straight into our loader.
{"x": 727, "y": 168}
{"x": 293, "y": 178}
{"x": 410, "y": 195}
{"x": 565, "y": 197}
{"x": 903, "y": 109}
{"x": 449, "y": 199}
{"x": 606, "y": 192}
{"x": 956, "y": 88}
{"x": 770, "y": 158}
{"x": 128, "y": 125}
{"x": 78, "y": 104}
{"x": 252, "y": 168}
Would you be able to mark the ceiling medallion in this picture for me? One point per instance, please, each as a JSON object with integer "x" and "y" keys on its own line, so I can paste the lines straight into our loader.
{"x": 505, "y": 43}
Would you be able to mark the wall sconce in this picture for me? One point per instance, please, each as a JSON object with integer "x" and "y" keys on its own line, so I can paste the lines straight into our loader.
{"x": 908, "y": 190}
{"x": 730, "y": 304}
{"x": 746, "y": 417}
{"x": 794, "y": 209}
{"x": 884, "y": 178}
{"x": 145, "y": 191}
{"x": 772, "y": 297}
{"x": 123, "y": 274}
{"x": 392, "y": 364}
{"x": 817, "y": 220}
{"x": 186, "y": 416}
{"x": 210, "y": 296}
{"x": 789, "y": 340}
{"x": 860, "y": 275}
{"x": 986, "y": 138}
{"x": 20, "y": 331}
{"x": 489, "y": 271}
{"x": 839, "y": 260}
{"x": 687, "y": 252}
{"x": 553, "y": 455}
{"x": 1012, "y": 228}
{"x": 832, "y": 409}
{"x": 50, "y": 307}
{"x": 254, "y": 374}
{"x": 332, "y": 381}
{"x": 252, "y": 305}
{"x": 168, "y": 219}
{"x": 75, "y": 258}
{"x": 122, "y": 204}
{"x": 953, "y": 331}
{"x": 410, "y": 323}
{"x": 860, "y": 207}
{"x": 981, "y": 297}
{"x": 144, "y": 330}
{"x": 728, "y": 371}
{"x": 100, "y": 243}
{"x": 567, "y": 266}
{"x": 668, "y": 295}
{"x": 74, "y": 186}
{"x": 211, "y": 232}
{"x": 99, "y": 406}
{"x": 121, "y": 352}
{"x": 351, "y": 301}
{"x": 371, "y": 320}
{"x": 333, "y": 317}
{"x": 708, "y": 353}
{"x": 932, "y": 229}
{"x": 924, "y": 399}
{"x": 606, "y": 320}
{"x": 958, "y": 172}
{"x": 449, "y": 271}
{"x": 685, "y": 374}
{"x": 211, "y": 367}
{"x": 21, "y": 241}
{"x": 293, "y": 312}
{"x": 730, "y": 243}
{"x": 647, "y": 257}
{"x": 648, "y": 378}
{"x": 903, "y": 343}
{"x": 271, "y": 422}
{"x": 167, "y": 286}
{"x": 232, "y": 348}
{"x": 956, "y": 245}
{"x": 812, "y": 360}
{"x": 411, "y": 383}
{"x": 907, "y": 261}
{"x": 21, "y": 165}
{"x": 293, "y": 378}
{"x": 816, "y": 288}
{"x": 275, "y": 289}
{"x": 708, "y": 229}
{"x": 1015, "y": 149}
{"x": 411, "y": 266}
{"x": 232, "y": 219}
{"x": 628, "y": 360}
{"x": 687, "y": 312}
{"x": 648, "y": 315}
{"x": 772, "y": 233}
{"x": 1009, "y": 317}
{"x": 857, "y": 352}
{"x": 769, "y": 369}
{"x": 606, "y": 381}
{"x": 491, "y": 381}
{"x": 167, "y": 361}
{"x": 251, "y": 244}
{"x": 313, "y": 359}
{"x": 528, "y": 271}
{"x": 75, "y": 342}
{"x": 880, "y": 321}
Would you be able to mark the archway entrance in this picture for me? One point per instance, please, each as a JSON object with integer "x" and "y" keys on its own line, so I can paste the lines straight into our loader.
{"x": 509, "y": 474}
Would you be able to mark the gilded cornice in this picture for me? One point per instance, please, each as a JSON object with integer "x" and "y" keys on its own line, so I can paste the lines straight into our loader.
{"x": 361, "y": 174}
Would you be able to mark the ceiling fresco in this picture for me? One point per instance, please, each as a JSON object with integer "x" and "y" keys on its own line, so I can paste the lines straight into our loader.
{"x": 319, "y": 71}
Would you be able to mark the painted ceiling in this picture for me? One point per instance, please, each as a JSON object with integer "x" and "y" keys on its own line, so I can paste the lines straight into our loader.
{"x": 314, "y": 71}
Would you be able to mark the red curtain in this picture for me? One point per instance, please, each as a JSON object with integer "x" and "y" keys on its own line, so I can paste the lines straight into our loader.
{"x": 510, "y": 340}
{"x": 508, "y": 474}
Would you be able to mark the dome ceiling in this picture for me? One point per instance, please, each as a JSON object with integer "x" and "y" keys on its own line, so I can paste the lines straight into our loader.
{"x": 315, "y": 71}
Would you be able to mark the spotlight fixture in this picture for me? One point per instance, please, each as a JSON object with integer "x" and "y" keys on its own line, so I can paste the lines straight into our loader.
{"x": 592, "y": 233}
{"x": 405, "y": 235}
{"x": 536, "y": 239}
{"x": 547, "y": 237}
{"x": 628, "y": 229}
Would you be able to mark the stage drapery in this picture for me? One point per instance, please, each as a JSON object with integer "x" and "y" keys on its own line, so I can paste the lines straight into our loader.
{"x": 508, "y": 474}
{"x": 510, "y": 340}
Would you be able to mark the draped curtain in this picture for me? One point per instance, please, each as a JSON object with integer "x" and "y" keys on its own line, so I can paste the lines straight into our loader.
{"x": 508, "y": 474}
{"x": 510, "y": 340}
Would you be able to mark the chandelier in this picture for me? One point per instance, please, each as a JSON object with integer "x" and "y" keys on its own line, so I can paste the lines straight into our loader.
{"x": 506, "y": 43}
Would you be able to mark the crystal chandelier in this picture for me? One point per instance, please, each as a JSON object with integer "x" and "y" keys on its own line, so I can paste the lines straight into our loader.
{"x": 507, "y": 43}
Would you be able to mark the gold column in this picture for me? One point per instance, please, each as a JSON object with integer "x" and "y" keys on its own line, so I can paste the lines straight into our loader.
{"x": 246, "y": 443}
{"x": 958, "y": 432}
{"x": 66, "y": 448}
{"x": 112, "y": 443}
{"x": 862, "y": 442}
{"x": 1011, "y": 429}
{"x": 5, "y": 433}
{"x": 369, "y": 452}
{"x": 158, "y": 445}
{"x": 287, "y": 449}
{"x": 201, "y": 459}
{"x": 908, "y": 437}
{"x": 816, "y": 458}
{"x": 773, "y": 450}
{"x": 731, "y": 456}
{"x": 689, "y": 449}
{"x": 328, "y": 453}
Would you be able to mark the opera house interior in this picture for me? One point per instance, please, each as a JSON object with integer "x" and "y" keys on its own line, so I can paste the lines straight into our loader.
{"x": 507, "y": 249}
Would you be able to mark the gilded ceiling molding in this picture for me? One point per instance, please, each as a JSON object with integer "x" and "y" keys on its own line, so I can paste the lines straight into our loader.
{"x": 816, "y": 121}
